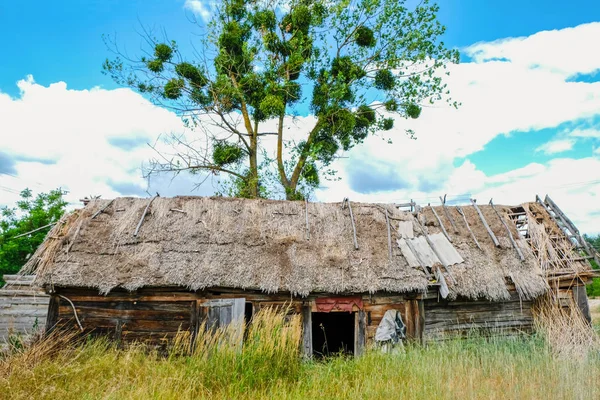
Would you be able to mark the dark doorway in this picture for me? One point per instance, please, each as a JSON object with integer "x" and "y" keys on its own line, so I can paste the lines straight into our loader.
{"x": 332, "y": 333}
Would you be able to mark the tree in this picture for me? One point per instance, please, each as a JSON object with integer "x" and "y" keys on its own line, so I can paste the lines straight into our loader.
{"x": 594, "y": 289}
{"x": 29, "y": 214}
{"x": 356, "y": 64}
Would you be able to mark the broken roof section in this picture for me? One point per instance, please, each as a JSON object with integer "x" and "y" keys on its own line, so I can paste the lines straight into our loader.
{"x": 285, "y": 246}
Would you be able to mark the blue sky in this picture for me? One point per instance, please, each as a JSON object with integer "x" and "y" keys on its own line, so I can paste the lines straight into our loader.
{"x": 58, "y": 42}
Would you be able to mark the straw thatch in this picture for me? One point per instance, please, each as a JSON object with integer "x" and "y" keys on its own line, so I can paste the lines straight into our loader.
{"x": 199, "y": 242}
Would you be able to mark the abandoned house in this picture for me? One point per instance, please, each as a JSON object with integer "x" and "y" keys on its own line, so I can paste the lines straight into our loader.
{"x": 144, "y": 269}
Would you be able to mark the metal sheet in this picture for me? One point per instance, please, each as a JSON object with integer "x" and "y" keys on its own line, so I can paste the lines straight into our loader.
{"x": 408, "y": 254}
{"x": 419, "y": 249}
{"x": 445, "y": 249}
{"x": 423, "y": 251}
{"x": 405, "y": 229}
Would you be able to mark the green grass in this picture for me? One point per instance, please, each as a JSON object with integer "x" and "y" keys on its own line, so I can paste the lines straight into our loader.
{"x": 269, "y": 366}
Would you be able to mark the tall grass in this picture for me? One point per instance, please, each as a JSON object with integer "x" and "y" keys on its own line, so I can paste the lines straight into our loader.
{"x": 269, "y": 365}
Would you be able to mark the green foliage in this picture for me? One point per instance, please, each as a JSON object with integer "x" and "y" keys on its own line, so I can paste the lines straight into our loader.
{"x": 29, "y": 214}
{"x": 193, "y": 74}
{"x": 225, "y": 153}
{"x": 593, "y": 290}
{"x": 384, "y": 79}
{"x": 173, "y": 88}
{"x": 163, "y": 52}
{"x": 262, "y": 60}
{"x": 365, "y": 37}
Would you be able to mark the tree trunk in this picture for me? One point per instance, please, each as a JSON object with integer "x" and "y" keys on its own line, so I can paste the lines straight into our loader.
{"x": 253, "y": 175}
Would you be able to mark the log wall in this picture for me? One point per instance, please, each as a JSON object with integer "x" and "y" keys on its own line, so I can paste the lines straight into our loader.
{"x": 23, "y": 308}
{"x": 156, "y": 315}
{"x": 444, "y": 319}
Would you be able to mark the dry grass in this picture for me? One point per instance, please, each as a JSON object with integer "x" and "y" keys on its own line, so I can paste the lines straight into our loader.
{"x": 268, "y": 366}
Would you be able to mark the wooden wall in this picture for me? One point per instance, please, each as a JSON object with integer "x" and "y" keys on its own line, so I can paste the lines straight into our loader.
{"x": 445, "y": 319}
{"x": 156, "y": 315}
{"x": 23, "y": 308}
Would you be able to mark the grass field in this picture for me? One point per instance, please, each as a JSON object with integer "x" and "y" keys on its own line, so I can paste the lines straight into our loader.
{"x": 269, "y": 366}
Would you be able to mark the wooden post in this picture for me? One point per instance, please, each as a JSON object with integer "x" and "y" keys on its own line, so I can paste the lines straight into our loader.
{"x": 52, "y": 318}
{"x": 360, "y": 332}
{"x": 193, "y": 325}
{"x": 443, "y": 200}
{"x": 307, "y": 342}
{"x": 389, "y": 234}
{"x": 441, "y": 224}
{"x": 487, "y": 227}
{"x": 460, "y": 211}
{"x": 580, "y": 296}
{"x": 510, "y": 236}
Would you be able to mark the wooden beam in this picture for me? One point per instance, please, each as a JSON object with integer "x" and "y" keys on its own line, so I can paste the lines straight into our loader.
{"x": 510, "y": 236}
{"x": 347, "y": 201}
{"x": 438, "y": 274}
{"x": 389, "y": 234}
{"x": 100, "y": 211}
{"x": 307, "y": 226}
{"x": 569, "y": 224}
{"x": 33, "y": 231}
{"x": 461, "y": 212}
{"x": 139, "y": 225}
{"x": 441, "y": 224}
{"x": 360, "y": 333}
{"x": 414, "y": 251}
{"x": 307, "y": 342}
{"x": 52, "y": 317}
{"x": 443, "y": 200}
{"x": 487, "y": 227}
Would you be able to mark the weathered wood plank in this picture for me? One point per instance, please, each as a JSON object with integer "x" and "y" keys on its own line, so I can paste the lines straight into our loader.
{"x": 360, "y": 333}
{"x": 307, "y": 341}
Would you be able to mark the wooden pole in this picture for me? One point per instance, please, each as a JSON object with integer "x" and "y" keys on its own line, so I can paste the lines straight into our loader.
{"x": 435, "y": 251}
{"x": 571, "y": 226}
{"x": 35, "y": 230}
{"x": 307, "y": 227}
{"x": 441, "y": 224}
{"x": 487, "y": 227}
{"x": 460, "y": 211}
{"x": 100, "y": 211}
{"x": 347, "y": 201}
{"x": 510, "y": 236}
{"x": 389, "y": 234}
{"x": 139, "y": 225}
{"x": 416, "y": 254}
{"x": 443, "y": 200}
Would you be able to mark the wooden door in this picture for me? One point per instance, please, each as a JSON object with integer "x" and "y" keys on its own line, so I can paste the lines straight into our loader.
{"x": 220, "y": 313}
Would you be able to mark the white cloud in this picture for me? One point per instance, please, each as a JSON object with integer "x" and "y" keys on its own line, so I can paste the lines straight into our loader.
{"x": 201, "y": 8}
{"x": 97, "y": 135}
{"x": 564, "y": 52}
{"x": 71, "y": 131}
{"x": 585, "y": 133}
{"x": 556, "y": 146}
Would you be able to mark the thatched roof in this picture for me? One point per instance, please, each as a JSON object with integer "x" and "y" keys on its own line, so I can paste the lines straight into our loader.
{"x": 201, "y": 242}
